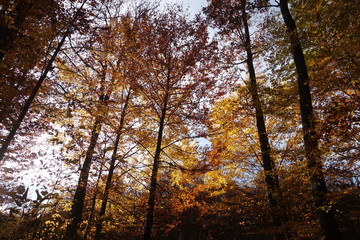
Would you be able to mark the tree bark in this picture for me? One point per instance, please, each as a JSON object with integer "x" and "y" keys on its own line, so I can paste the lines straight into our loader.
{"x": 328, "y": 224}
{"x": 93, "y": 204}
{"x": 26, "y": 107}
{"x": 271, "y": 178}
{"x": 30, "y": 99}
{"x": 72, "y": 230}
{"x": 80, "y": 193}
{"x": 154, "y": 173}
{"x": 111, "y": 170}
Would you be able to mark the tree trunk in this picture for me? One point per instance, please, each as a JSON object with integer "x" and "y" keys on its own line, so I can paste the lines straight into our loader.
{"x": 31, "y": 98}
{"x": 271, "y": 179}
{"x": 26, "y": 107}
{"x": 111, "y": 170}
{"x": 154, "y": 173}
{"x": 73, "y": 229}
{"x": 93, "y": 204}
{"x": 79, "y": 197}
{"x": 327, "y": 220}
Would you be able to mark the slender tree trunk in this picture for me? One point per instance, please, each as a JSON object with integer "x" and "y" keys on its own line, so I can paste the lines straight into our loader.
{"x": 93, "y": 204}
{"x": 271, "y": 178}
{"x": 111, "y": 170}
{"x": 327, "y": 220}
{"x": 154, "y": 173}
{"x": 77, "y": 209}
{"x": 79, "y": 197}
{"x": 26, "y": 107}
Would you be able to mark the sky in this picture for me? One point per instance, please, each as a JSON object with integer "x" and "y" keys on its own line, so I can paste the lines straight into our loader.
{"x": 194, "y": 5}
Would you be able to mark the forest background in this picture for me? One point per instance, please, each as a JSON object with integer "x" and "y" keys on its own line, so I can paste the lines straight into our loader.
{"x": 139, "y": 120}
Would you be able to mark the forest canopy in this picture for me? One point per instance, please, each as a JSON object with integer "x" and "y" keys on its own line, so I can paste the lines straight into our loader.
{"x": 132, "y": 120}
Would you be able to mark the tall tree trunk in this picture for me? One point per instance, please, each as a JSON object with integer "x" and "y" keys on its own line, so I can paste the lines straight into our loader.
{"x": 108, "y": 185}
{"x": 26, "y": 107}
{"x": 80, "y": 193}
{"x": 271, "y": 179}
{"x": 93, "y": 204}
{"x": 72, "y": 230}
{"x": 154, "y": 173}
{"x": 327, "y": 220}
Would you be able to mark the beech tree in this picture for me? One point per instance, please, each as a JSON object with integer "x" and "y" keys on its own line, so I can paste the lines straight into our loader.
{"x": 48, "y": 63}
{"x": 150, "y": 124}
{"x": 326, "y": 215}
{"x": 128, "y": 31}
{"x": 220, "y": 11}
{"x": 174, "y": 84}
{"x": 79, "y": 197}
{"x": 98, "y": 64}
{"x": 112, "y": 166}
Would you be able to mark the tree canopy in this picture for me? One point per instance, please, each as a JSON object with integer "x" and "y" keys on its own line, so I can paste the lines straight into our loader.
{"x": 138, "y": 120}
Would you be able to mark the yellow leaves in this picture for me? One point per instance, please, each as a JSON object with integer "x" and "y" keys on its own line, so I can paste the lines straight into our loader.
{"x": 187, "y": 200}
{"x": 50, "y": 223}
{"x": 214, "y": 183}
{"x": 224, "y": 111}
{"x": 247, "y": 130}
{"x": 176, "y": 178}
{"x": 9, "y": 21}
{"x": 66, "y": 73}
{"x": 215, "y": 179}
{"x": 56, "y": 215}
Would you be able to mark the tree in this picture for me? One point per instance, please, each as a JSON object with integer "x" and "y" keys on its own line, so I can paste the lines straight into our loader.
{"x": 326, "y": 215}
{"x": 173, "y": 85}
{"x": 72, "y": 231}
{"x": 220, "y": 11}
{"x": 98, "y": 63}
{"x": 151, "y": 120}
{"x": 47, "y": 67}
{"x": 114, "y": 157}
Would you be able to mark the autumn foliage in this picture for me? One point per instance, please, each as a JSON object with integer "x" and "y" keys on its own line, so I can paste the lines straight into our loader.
{"x": 124, "y": 120}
